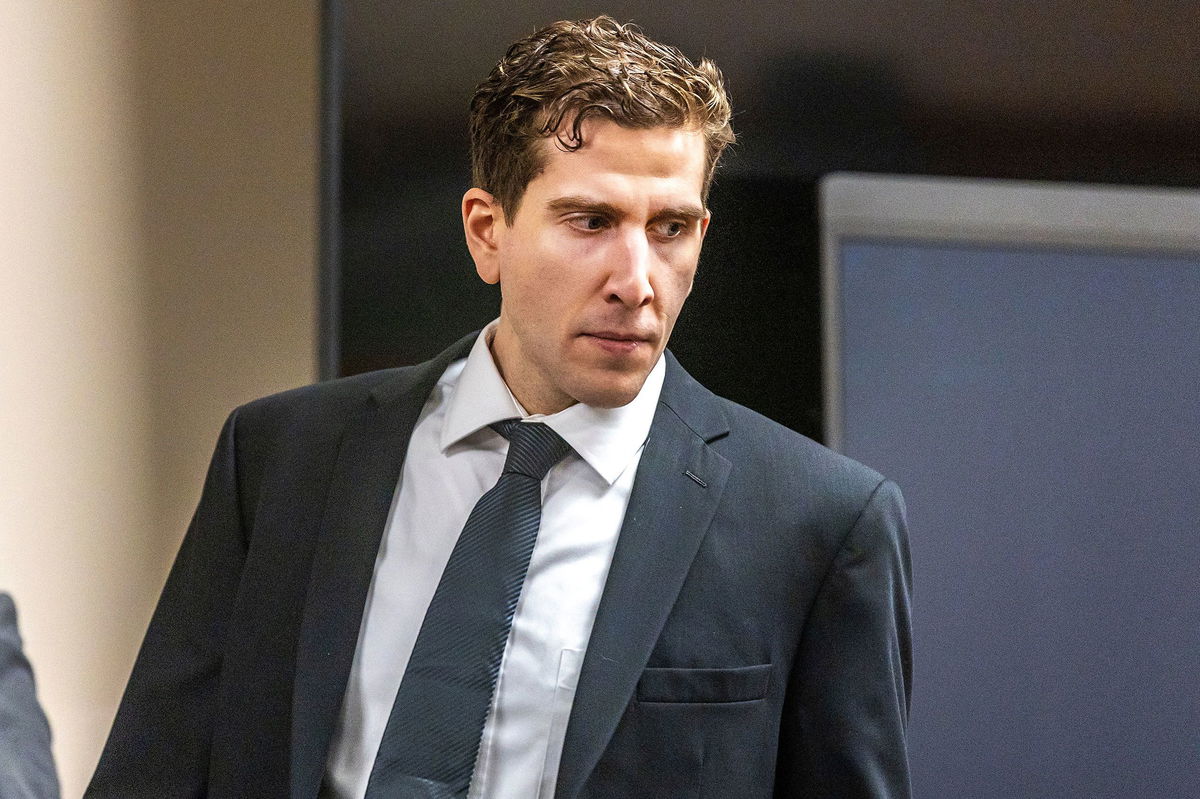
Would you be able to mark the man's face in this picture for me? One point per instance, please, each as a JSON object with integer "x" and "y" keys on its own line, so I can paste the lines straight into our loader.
{"x": 596, "y": 264}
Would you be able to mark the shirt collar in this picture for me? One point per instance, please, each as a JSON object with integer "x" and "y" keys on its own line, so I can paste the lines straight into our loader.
{"x": 605, "y": 438}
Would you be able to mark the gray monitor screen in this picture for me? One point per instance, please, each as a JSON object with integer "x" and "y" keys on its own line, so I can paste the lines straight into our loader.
{"x": 1040, "y": 408}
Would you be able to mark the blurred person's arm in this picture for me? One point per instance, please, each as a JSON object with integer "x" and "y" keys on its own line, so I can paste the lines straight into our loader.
{"x": 26, "y": 765}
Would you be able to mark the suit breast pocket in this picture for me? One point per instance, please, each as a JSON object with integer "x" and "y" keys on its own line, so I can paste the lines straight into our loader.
{"x": 713, "y": 686}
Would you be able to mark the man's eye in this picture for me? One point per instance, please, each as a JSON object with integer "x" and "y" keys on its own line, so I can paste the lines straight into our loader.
{"x": 671, "y": 228}
{"x": 589, "y": 222}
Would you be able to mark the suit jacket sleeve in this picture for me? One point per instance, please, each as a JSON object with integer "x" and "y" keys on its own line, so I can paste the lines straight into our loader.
{"x": 26, "y": 766}
{"x": 846, "y": 712}
{"x": 160, "y": 741}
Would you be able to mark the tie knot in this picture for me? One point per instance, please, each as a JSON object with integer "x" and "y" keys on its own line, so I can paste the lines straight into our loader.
{"x": 533, "y": 448}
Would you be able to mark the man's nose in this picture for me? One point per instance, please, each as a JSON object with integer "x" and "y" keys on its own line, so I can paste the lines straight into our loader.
{"x": 629, "y": 270}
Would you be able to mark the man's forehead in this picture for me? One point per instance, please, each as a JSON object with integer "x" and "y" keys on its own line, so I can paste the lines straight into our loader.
{"x": 612, "y": 159}
{"x": 562, "y": 139}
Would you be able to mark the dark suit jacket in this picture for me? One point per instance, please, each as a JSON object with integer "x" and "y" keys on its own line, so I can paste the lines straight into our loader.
{"x": 26, "y": 765}
{"x": 752, "y": 639}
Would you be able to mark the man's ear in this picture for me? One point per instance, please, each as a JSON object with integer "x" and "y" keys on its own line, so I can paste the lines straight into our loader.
{"x": 483, "y": 224}
{"x": 704, "y": 223}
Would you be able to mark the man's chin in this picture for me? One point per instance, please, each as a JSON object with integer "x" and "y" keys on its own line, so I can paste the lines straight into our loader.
{"x": 610, "y": 391}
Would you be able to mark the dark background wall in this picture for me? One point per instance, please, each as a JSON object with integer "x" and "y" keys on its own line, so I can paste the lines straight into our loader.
{"x": 1086, "y": 90}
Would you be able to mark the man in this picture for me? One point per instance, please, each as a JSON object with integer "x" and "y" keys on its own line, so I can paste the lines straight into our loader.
{"x": 703, "y": 604}
{"x": 26, "y": 765}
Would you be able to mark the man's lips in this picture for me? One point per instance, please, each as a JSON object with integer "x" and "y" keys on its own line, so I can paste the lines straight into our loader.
{"x": 618, "y": 335}
{"x": 617, "y": 342}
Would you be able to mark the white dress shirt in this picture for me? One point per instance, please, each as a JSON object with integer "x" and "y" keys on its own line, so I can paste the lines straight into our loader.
{"x": 452, "y": 459}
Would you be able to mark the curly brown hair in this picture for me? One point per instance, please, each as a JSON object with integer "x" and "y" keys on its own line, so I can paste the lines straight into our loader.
{"x": 551, "y": 82}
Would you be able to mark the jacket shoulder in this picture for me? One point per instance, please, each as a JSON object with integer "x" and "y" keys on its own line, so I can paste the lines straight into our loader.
{"x": 337, "y": 400}
{"x": 327, "y": 396}
{"x": 795, "y": 480}
{"x": 801, "y": 500}
{"x": 305, "y": 414}
{"x": 783, "y": 449}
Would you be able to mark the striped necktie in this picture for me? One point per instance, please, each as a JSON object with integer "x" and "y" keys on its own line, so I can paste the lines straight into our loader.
{"x": 432, "y": 737}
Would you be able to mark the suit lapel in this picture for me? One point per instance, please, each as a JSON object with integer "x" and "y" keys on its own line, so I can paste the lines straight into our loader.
{"x": 669, "y": 512}
{"x": 359, "y": 499}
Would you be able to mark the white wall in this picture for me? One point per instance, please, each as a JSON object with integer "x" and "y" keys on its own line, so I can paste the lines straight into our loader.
{"x": 158, "y": 168}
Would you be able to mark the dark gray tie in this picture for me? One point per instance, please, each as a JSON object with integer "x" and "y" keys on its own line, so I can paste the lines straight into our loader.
{"x": 432, "y": 737}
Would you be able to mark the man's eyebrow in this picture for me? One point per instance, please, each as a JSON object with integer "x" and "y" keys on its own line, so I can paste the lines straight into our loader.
{"x": 580, "y": 203}
{"x": 689, "y": 213}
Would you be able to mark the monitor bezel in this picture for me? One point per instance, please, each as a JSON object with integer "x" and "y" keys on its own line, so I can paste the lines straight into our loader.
{"x": 984, "y": 212}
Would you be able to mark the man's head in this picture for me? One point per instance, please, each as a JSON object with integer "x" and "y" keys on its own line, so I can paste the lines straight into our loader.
{"x": 593, "y": 148}
{"x": 550, "y": 83}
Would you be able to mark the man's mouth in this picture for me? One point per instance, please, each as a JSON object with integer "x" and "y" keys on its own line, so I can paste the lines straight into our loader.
{"x": 619, "y": 335}
{"x": 617, "y": 342}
